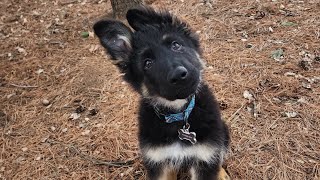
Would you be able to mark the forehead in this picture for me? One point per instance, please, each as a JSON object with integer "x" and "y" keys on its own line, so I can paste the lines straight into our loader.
{"x": 155, "y": 35}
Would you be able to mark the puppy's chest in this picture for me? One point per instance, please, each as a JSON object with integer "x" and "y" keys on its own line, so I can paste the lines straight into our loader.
{"x": 178, "y": 153}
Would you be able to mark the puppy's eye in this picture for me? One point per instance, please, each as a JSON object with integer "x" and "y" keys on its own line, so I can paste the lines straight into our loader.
{"x": 147, "y": 63}
{"x": 175, "y": 46}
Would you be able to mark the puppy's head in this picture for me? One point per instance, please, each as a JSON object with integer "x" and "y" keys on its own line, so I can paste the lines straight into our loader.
{"x": 160, "y": 58}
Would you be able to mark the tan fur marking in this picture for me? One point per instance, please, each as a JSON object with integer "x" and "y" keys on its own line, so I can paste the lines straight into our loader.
{"x": 168, "y": 174}
{"x": 223, "y": 175}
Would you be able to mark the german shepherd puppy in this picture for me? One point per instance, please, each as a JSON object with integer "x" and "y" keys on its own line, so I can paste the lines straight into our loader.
{"x": 180, "y": 126}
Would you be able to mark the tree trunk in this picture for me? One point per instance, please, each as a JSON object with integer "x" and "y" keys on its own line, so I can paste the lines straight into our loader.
{"x": 120, "y": 7}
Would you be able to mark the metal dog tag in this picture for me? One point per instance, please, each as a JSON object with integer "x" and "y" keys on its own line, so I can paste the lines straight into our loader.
{"x": 184, "y": 134}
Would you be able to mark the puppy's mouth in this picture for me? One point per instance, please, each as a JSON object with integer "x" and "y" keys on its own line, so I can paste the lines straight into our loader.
{"x": 188, "y": 90}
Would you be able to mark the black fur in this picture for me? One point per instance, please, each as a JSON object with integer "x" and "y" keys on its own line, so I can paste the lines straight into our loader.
{"x": 160, "y": 59}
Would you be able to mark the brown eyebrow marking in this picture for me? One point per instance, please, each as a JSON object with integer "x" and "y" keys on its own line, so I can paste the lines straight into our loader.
{"x": 165, "y": 37}
{"x": 143, "y": 50}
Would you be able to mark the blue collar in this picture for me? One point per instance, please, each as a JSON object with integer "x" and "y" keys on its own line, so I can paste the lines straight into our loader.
{"x": 182, "y": 116}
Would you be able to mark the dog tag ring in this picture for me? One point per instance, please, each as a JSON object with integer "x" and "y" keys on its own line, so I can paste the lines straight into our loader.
{"x": 184, "y": 134}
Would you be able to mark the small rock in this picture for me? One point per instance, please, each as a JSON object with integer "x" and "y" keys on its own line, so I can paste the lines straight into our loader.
{"x": 44, "y": 140}
{"x": 86, "y": 119}
{"x": 38, "y": 158}
{"x": 91, "y": 34}
{"x": 81, "y": 125}
{"x": 64, "y": 130}
{"x": 80, "y": 109}
{"x": 290, "y": 74}
{"x": 93, "y": 112}
{"x": 300, "y": 161}
{"x": 93, "y": 48}
{"x": 270, "y": 29}
{"x": 11, "y": 19}
{"x": 306, "y": 85}
{"x": 21, "y": 50}
{"x": 24, "y": 149}
{"x": 45, "y": 102}
{"x": 277, "y": 100}
{"x": 20, "y": 159}
{"x": 291, "y": 114}
{"x": 2, "y": 169}
{"x": 99, "y": 125}
{"x": 302, "y": 100}
{"x": 223, "y": 105}
{"x": 249, "y": 46}
{"x": 247, "y": 95}
{"x": 305, "y": 65}
{"x": 10, "y": 95}
{"x": 259, "y": 15}
{"x": 74, "y": 116}
{"x": 39, "y": 71}
{"x": 86, "y": 132}
{"x": 52, "y": 128}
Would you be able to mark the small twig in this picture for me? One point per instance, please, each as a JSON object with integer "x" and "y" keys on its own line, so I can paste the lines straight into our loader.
{"x": 101, "y": 162}
{"x": 92, "y": 159}
{"x": 68, "y": 2}
{"x": 23, "y": 86}
{"x": 235, "y": 113}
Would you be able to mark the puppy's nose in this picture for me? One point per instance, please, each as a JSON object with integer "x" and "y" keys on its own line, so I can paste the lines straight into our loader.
{"x": 178, "y": 75}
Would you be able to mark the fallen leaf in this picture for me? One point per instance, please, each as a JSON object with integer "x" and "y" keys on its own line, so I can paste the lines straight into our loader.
{"x": 84, "y": 34}
{"x": 288, "y": 23}
{"x": 277, "y": 54}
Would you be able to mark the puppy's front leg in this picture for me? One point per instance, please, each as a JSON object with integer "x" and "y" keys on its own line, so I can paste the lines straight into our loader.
{"x": 157, "y": 172}
{"x": 223, "y": 175}
{"x": 204, "y": 171}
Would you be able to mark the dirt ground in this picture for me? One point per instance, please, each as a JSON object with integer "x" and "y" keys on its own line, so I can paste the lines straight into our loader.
{"x": 65, "y": 112}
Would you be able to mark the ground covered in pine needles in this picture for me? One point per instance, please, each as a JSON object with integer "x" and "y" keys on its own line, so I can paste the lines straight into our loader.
{"x": 65, "y": 112}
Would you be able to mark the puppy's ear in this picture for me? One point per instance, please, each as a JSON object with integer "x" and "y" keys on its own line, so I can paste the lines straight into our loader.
{"x": 116, "y": 38}
{"x": 142, "y": 16}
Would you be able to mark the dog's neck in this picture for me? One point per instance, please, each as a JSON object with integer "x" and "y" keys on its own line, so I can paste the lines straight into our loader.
{"x": 175, "y": 105}
{"x": 183, "y": 115}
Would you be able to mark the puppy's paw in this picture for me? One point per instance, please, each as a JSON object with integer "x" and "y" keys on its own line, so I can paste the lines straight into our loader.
{"x": 223, "y": 175}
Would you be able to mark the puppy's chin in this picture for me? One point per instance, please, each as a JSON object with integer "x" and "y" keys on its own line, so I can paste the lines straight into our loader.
{"x": 188, "y": 91}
